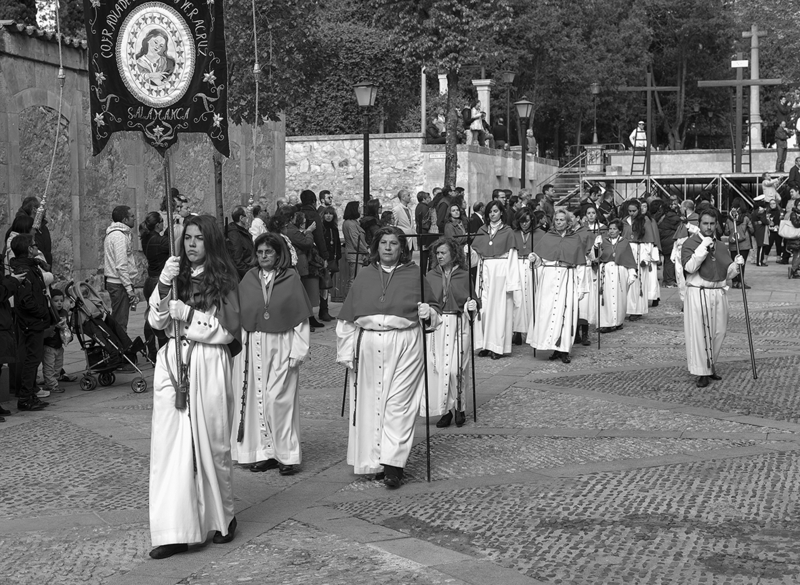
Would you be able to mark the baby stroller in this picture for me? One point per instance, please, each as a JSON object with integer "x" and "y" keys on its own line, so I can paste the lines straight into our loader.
{"x": 106, "y": 345}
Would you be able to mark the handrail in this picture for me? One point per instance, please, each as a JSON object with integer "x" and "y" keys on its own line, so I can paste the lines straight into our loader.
{"x": 579, "y": 162}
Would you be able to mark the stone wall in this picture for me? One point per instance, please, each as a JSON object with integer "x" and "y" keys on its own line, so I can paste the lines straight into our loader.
{"x": 84, "y": 189}
{"x": 336, "y": 163}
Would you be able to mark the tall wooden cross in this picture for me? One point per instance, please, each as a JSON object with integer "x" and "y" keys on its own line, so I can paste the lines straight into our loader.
{"x": 650, "y": 88}
{"x": 738, "y": 83}
{"x": 755, "y": 72}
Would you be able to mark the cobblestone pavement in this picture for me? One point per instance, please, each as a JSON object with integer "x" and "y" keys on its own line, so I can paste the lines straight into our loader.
{"x": 612, "y": 469}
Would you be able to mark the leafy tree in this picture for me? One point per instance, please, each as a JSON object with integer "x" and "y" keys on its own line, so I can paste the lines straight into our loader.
{"x": 692, "y": 40}
{"x": 446, "y": 35}
{"x": 23, "y": 11}
{"x": 352, "y": 51}
{"x": 287, "y": 56}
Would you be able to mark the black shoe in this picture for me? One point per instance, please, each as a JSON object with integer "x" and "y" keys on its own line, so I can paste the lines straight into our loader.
{"x": 555, "y": 356}
{"x": 747, "y": 287}
{"x": 31, "y": 404}
{"x": 461, "y": 418}
{"x": 565, "y": 357}
{"x": 621, "y": 325}
{"x": 219, "y": 539}
{"x": 483, "y": 353}
{"x": 496, "y": 356}
{"x": 314, "y": 323}
{"x": 4, "y": 412}
{"x": 445, "y": 421}
{"x": 264, "y": 465}
{"x": 379, "y": 476}
{"x": 2, "y": 419}
{"x": 655, "y": 303}
{"x": 393, "y": 476}
{"x": 516, "y": 339}
{"x": 702, "y": 381}
{"x": 715, "y": 377}
{"x": 634, "y": 317}
{"x": 167, "y": 550}
{"x": 781, "y": 261}
{"x": 286, "y": 469}
{"x": 324, "y": 315}
{"x": 607, "y": 329}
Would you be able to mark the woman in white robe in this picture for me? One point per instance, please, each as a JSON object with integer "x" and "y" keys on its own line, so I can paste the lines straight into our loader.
{"x": 559, "y": 287}
{"x": 266, "y": 376}
{"x": 498, "y": 283}
{"x": 379, "y": 339}
{"x": 191, "y": 473}
{"x": 617, "y": 268}
{"x": 524, "y": 239}
{"x": 637, "y": 230}
{"x": 449, "y": 350}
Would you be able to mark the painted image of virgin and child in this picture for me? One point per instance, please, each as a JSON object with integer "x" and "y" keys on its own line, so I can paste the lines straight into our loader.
{"x": 152, "y": 60}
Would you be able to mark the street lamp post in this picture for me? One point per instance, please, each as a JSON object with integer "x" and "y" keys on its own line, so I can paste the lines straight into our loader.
{"x": 508, "y": 79}
{"x": 696, "y": 109}
{"x": 365, "y": 95}
{"x": 524, "y": 109}
{"x": 595, "y": 87}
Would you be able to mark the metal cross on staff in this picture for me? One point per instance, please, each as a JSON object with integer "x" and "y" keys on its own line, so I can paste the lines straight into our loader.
{"x": 739, "y": 64}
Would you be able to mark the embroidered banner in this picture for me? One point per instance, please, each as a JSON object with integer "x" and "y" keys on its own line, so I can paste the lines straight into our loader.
{"x": 158, "y": 68}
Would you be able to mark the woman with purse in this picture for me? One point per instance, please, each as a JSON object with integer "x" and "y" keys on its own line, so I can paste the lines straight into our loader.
{"x": 790, "y": 232}
{"x": 333, "y": 243}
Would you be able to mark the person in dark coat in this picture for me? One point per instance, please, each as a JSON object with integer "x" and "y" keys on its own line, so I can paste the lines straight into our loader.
{"x": 760, "y": 220}
{"x": 333, "y": 244}
{"x": 8, "y": 343}
{"x": 318, "y": 255}
{"x": 239, "y": 242}
{"x": 33, "y": 316}
{"x": 668, "y": 221}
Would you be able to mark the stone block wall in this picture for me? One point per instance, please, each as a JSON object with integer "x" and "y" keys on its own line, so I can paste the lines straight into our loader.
{"x": 336, "y": 163}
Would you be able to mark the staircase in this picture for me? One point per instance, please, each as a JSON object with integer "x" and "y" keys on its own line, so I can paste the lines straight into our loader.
{"x": 567, "y": 181}
{"x": 567, "y": 184}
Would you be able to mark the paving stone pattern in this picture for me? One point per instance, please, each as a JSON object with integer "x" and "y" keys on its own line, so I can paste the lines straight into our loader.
{"x": 297, "y": 554}
{"x": 72, "y": 470}
{"x": 463, "y": 456}
{"x": 773, "y": 395}
{"x": 532, "y": 489}
{"x": 531, "y": 408}
{"x": 726, "y": 521}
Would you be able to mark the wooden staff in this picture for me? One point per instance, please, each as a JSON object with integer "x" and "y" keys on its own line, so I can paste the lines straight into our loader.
{"x": 471, "y": 328}
{"x": 425, "y": 373}
{"x": 744, "y": 300}
{"x": 182, "y": 391}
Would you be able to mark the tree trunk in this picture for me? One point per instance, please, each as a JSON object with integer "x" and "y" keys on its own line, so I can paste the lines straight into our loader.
{"x": 453, "y": 121}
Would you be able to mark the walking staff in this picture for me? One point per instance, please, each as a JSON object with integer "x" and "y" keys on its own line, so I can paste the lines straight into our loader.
{"x": 424, "y": 324}
{"x": 744, "y": 300}
{"x": 347, "y": 370}
{"x": 472, "y": 327}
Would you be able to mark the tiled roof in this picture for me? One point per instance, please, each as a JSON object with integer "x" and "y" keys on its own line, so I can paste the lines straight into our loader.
{"x": 45, "y": 35}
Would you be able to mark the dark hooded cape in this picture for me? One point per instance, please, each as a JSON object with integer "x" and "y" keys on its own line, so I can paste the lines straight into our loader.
{"x": 402, "y": 293}
{"x": 288, "y": 307}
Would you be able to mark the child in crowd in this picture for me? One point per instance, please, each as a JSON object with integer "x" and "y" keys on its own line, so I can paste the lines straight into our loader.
{"x": 54, "y": 340}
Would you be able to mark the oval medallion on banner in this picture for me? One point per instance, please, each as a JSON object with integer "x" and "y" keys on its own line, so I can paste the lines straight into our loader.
{"x": 156, "y": 54}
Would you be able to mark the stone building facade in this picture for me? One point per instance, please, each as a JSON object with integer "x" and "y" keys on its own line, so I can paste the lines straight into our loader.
{"x": 84, "y": 189}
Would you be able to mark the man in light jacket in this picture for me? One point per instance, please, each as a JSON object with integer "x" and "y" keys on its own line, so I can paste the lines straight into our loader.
{"x": 120, "y": 266}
